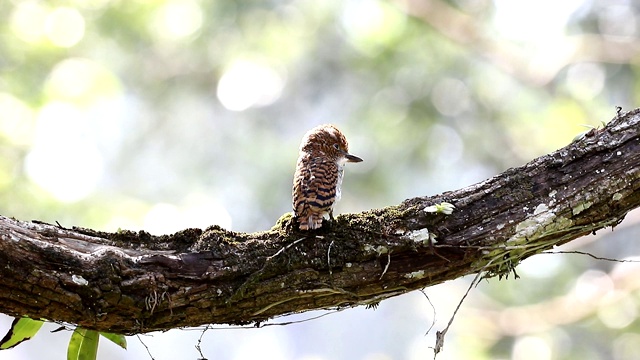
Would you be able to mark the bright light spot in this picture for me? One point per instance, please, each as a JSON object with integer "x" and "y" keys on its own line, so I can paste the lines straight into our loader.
{"x": 81, "y": 80}
{"x": 450, "y": 97}
{"x": 363, "y": 17}
{"x": 17, "y": 120}
{"x": 109, "y": 119}
{"x": 176, "y": 20}
{"x": 592, "y": 286}
{"x": 541, "y": 31}
{"x": 619, "y": 314}
{"x": 533, "y": 20}
{"x": 369, "y": 24}
{"x": 531, "y": 348}
{"x": 127, "y": 215}
{"x": 27, "y": 19}
{"x": 64, "y": 27}
{"x": 541, "y": 266}
{"x": 161, "y": 219}
{"x": 167, "y": 219}
{"x": 202, "y": 211}
{"x": 63, "y": 160}
{"x": 586, "y": 80}
{"x": 246, "y": 84}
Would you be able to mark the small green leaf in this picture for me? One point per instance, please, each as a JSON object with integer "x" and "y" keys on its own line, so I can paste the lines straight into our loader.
{"x": 118, "y": 339}
{"x": 22, "y": 329}
{"x": 83, "y": 345}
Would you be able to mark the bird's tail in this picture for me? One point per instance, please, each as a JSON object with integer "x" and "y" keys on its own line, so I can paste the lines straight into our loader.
{"x": 313, "y": 221}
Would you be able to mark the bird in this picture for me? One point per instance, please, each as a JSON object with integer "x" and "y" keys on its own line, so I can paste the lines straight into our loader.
{"x": 316, "y": 183}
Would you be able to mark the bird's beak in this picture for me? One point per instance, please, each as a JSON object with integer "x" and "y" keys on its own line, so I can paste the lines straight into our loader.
{"x": 352, "y": 158}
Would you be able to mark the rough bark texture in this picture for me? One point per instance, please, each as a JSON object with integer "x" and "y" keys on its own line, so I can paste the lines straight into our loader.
{"x": 129, "y": 283}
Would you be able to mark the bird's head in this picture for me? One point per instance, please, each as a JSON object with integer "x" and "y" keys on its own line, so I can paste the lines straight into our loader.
{"x": 329, "y": 141}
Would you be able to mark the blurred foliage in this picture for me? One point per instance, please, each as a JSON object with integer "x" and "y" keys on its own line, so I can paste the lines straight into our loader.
{"x": 165, "y": 114}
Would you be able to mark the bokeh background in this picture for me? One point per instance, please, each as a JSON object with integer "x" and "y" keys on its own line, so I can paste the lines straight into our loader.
{"x": 166, "y": 114}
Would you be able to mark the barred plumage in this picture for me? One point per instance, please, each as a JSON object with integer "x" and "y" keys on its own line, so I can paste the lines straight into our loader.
{"x": 316, "y": 183}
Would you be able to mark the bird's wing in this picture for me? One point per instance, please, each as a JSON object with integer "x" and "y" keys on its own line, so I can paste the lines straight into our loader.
{"x": 314, "y": 190}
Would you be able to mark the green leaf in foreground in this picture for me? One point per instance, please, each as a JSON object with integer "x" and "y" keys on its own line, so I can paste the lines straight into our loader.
{"x": 118, "y": 339}
{"x": 22, "y": 329}
{"x": 83, "y": 345}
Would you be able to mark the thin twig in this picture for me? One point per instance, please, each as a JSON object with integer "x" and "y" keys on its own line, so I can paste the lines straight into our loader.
{"x": 284, "y": 248}
{"x": 433, "y": 323}
{"x": 145, "y": 346}
{"x": 441, "y": 334}
{"x": 247, "y": 327}
{"x": 590, "y": 255}
{"x": 198, "y": 345}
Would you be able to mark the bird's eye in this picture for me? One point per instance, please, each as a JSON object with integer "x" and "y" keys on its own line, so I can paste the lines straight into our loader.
{"x": 336, "y": 146}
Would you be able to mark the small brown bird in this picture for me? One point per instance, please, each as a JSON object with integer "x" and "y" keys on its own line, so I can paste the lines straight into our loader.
{"x": 316, "y": 183}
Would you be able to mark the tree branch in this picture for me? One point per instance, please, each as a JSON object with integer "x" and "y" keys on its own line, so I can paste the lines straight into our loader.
{"x": 130, "y": 283}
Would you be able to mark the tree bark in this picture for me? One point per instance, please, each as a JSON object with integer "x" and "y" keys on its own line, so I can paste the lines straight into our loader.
{"x": 129, "y": 283}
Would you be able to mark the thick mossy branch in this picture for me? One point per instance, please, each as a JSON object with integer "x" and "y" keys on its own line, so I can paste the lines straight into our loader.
{"x": 129, "y": 282}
